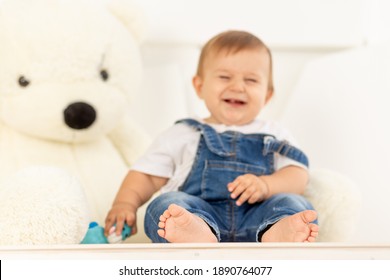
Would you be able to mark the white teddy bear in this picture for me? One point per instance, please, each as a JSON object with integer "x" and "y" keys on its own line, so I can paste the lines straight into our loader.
{"x": 67, "y": 69}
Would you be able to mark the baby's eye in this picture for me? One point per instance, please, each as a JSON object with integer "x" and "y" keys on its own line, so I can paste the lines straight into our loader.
{"x": 223, "y": 77}
{"x": 251, "y": 80}
{"x": 23, "y": 82}
{"x": 104, "y": 74}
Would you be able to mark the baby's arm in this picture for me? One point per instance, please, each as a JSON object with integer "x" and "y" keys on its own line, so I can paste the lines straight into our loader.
{"x": 251, "y": 188}
{"x": 136, "y": 189}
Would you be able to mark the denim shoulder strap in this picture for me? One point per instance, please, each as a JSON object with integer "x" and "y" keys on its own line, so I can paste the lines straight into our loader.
{"x": 272, "y": 145}
{"x": 191, "y": 122}
{"x": 211, "y": 137}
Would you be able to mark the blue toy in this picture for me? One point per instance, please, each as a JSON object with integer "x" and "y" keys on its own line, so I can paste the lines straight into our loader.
{"x": 95, "y": 235}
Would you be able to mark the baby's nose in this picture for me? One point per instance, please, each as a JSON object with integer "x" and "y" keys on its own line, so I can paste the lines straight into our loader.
{"x": 237, "y": 85}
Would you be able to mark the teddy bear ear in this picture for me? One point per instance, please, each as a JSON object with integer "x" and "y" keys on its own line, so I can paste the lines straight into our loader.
{"x": 131, "y": 15}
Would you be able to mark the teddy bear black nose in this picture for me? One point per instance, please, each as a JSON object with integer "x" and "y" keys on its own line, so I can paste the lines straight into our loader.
{"x": 79, "y": 115}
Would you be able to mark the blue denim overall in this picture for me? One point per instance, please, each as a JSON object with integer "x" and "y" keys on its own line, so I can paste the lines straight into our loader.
{"x": 220, "y": 159}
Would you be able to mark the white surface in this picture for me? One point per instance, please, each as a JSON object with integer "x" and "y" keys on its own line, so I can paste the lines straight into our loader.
{"x": 226, "y": 251}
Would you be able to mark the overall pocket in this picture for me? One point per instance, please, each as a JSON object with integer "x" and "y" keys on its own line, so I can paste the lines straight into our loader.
{"x": 217, "y": 174}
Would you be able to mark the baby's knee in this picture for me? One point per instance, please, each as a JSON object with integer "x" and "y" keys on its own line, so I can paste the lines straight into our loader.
{"x": 158, "y": 205}
{"x": 294, "y": 201}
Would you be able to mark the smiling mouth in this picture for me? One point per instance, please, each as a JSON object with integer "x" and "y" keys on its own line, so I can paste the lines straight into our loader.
{"x": 234, "y": 102}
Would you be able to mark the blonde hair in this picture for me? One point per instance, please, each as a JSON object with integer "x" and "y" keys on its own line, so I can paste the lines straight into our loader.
{"x": 233, "y": 41}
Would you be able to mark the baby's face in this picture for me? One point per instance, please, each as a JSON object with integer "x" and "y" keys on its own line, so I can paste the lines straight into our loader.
{"x": 234, "y": 86}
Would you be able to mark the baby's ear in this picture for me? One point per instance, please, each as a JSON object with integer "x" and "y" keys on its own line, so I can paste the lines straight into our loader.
{"x": 197, "y": 82}
{"x": 270, "y": 93}
{"x": 131, "y": 15}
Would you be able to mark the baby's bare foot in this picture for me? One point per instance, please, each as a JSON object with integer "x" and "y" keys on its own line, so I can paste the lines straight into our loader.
{"x": 177, "y": 225}
{"x": 295, "y": 228}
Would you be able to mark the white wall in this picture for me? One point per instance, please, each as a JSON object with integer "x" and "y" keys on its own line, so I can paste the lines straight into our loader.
{"x": 314, "y": 23}
{"x": 297, "y": 31}
{"x": 339, "y": 113}
{"x": 377, "y": 21}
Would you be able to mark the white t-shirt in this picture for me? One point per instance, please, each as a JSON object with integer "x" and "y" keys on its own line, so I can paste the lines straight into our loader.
{"x": 173, "y": 152}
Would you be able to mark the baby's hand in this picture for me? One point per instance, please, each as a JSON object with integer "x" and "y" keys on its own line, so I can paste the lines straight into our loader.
{"x": 120, "y": 214}
{"x": 249, "y": 188}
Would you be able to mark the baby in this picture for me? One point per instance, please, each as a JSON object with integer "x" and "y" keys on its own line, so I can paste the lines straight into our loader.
{"x": 230, "y": 177}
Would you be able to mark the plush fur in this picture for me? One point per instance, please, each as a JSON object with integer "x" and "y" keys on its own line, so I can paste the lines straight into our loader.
{"x": 337, "y": 201}
{"x": 50, "y": 207}
{"x": 68, "y": 71}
